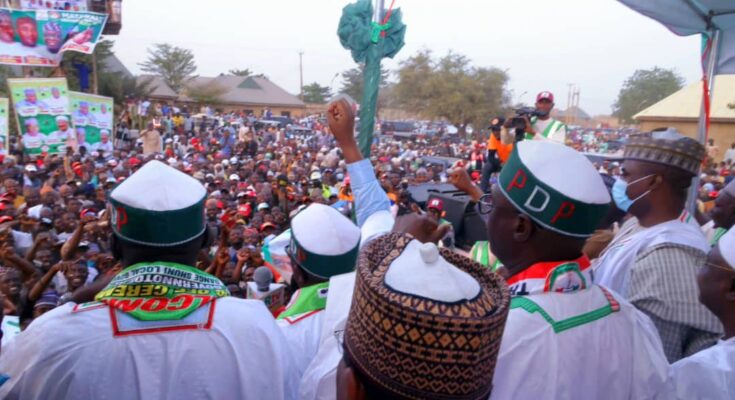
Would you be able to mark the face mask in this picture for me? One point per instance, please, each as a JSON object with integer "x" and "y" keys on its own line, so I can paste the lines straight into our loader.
{"x": 619, "y": 195}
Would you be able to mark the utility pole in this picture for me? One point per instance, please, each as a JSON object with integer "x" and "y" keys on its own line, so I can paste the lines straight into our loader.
{"x": 301, "y": 73}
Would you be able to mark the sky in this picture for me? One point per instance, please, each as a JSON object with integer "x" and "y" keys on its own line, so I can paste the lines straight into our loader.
{"x": 543, "y": 45}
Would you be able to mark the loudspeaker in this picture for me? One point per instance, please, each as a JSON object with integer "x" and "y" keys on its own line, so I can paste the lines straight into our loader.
{"x": 420, "y": 193}
{"x": 474, "y": 230}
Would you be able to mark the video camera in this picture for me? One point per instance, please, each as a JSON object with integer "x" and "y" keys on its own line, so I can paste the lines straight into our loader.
{"x": 518, "y": 122}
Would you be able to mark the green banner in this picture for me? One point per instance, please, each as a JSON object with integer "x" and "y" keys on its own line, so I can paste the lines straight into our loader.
{"x": 4, "y": 139}
{"x": 93, "y": 115}
{"x": 42, "y": 111}
{"x": 40, "y": 37}
{"x": 161, "y": 291}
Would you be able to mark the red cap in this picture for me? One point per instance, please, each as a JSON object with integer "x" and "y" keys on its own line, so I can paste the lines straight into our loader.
{"x": 5, "y": 218}
{"x": 245, "y": 210}
{"x": 133, "y": 162}
{"x": 436, "y": 204}
{"x": 267, "y": 225}
{"x": 347, "y": 180}
{"x": 545, "y": 96}
{"x": 7, "y": 198}
{"x": 87, "y": 211}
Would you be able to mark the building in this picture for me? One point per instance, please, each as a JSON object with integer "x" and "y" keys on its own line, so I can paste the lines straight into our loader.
{"x": 251, "y": 94}
{"x": 681, "y": 111}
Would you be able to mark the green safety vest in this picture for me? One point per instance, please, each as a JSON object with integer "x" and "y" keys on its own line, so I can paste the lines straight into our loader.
{"x": 554, "y": 126}
{"x": 305, "y": 300}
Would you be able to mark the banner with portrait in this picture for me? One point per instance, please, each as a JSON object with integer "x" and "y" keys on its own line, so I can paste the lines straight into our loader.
{"x": 93, "y": 114}
{"x": 66, "y": 5}
{"x": 40, "y": 37}
{"x": 4, "y": 139}
{"x": 43, "y": 114}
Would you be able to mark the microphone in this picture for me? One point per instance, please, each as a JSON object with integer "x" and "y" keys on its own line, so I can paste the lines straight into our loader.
{"x": 263, "y": 278}
{"x": 262, "y": 288}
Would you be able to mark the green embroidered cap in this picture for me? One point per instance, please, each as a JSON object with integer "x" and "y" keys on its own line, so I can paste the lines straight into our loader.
{"x": 556, "y": 186}
{"x": 324, "y": 242}
{"x": 158, "y": 206}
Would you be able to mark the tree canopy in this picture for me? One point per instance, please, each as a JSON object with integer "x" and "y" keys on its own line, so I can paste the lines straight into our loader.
{"x": 643, "y": 89}
{"x": 353, "y": 81}
{"x": 174, "y": 64}
{"x": 316, "y": 93}
{"x": 450, "y": 87}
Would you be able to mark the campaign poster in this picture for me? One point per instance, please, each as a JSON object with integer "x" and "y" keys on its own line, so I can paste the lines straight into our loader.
{"x": 4, "y": 142}
{"x": 93, "y": 114}
{"x": 43, "y": 114}
{"x": 40, "y": 37}
{"x": 66, "y": 5}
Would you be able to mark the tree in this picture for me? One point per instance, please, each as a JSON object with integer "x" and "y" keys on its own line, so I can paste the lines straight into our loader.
{"x": 643, "y": 89}
{"x": 205, "y": 93}
{"x": 450, "y": 88}
{"x": 174, "y": 64}
{"x": 240, "y": 72}
{"x": 352, "y": 81}
{"x": 111, "y": 84}
{"x": 316, "y": 93}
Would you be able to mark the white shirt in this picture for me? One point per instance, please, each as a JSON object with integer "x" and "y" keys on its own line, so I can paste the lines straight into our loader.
{"x": 617, "y": 356}
{"x": 558, "y": 136}
{"x": 58, "y": 106}
{"x": 730, "y": 155}
{"x": 106, "y": 147}
{"x": 74, "y": 355}
{"x": 709, "y": 374}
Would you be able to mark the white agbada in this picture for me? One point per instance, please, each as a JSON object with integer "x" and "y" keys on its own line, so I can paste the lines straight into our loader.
{"x": 318, "y": 381}
{"x": 560, "y": 351}
{"x": 613, "y": 267}
{"x": 709, "y": 374}
{"x": 244, "y": 356}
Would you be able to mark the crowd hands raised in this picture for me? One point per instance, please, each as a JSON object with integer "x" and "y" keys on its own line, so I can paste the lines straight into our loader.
{"x": 661, "y": 342}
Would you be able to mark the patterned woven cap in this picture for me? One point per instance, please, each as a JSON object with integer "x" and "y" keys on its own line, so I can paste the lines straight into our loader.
{"x": 667, "y": 148}
{"x": 420, "y": 348}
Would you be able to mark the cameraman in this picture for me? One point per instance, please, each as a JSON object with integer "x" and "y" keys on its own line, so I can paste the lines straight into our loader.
{"x": 544, "y": 127}
{"x": 497, "y": 153}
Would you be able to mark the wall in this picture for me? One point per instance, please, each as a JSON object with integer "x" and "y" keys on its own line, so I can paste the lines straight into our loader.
{"x": 722, "y": 132}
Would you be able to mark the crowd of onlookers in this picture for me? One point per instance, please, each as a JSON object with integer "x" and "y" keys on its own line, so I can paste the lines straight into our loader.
{"x": 54, "y": 225}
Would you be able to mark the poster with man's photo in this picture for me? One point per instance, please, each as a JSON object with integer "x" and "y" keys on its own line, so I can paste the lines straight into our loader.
{"x": 66, "y": 5}
{"x": 40, "y": 37}
{"x": 43, "y": 114}
{"x": 92, "y": 119}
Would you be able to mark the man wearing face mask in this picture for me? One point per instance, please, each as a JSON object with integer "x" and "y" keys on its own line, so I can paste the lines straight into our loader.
{"x": 544, "y": 127}
{"x": 654, "y": 263}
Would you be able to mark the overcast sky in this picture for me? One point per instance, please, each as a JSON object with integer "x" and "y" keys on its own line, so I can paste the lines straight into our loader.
{"x": 544, "y": 45}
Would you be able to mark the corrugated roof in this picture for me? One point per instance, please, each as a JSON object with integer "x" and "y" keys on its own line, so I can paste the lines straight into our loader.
{"x": 113, "y": 64}
{"x": 687, "y": 102}
{"x": 253, "y": 90}
{"x": 161, "y": 89}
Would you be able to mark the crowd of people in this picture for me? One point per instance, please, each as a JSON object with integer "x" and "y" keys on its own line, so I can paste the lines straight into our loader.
{"x": 594, "y": 280}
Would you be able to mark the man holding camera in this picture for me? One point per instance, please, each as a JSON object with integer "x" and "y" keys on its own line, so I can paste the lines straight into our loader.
{"x": 541, "y": 126}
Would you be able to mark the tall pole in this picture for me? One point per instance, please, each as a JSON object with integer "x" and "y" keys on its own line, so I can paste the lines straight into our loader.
{"x": 301, "y": 74}
{"x": 94, "y": 73}
{"x": 378, "y": 7}
{"x": 710, "y": 70}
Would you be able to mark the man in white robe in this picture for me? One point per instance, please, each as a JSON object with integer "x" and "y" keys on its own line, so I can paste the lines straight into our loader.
{"x": 710, "y": 374}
